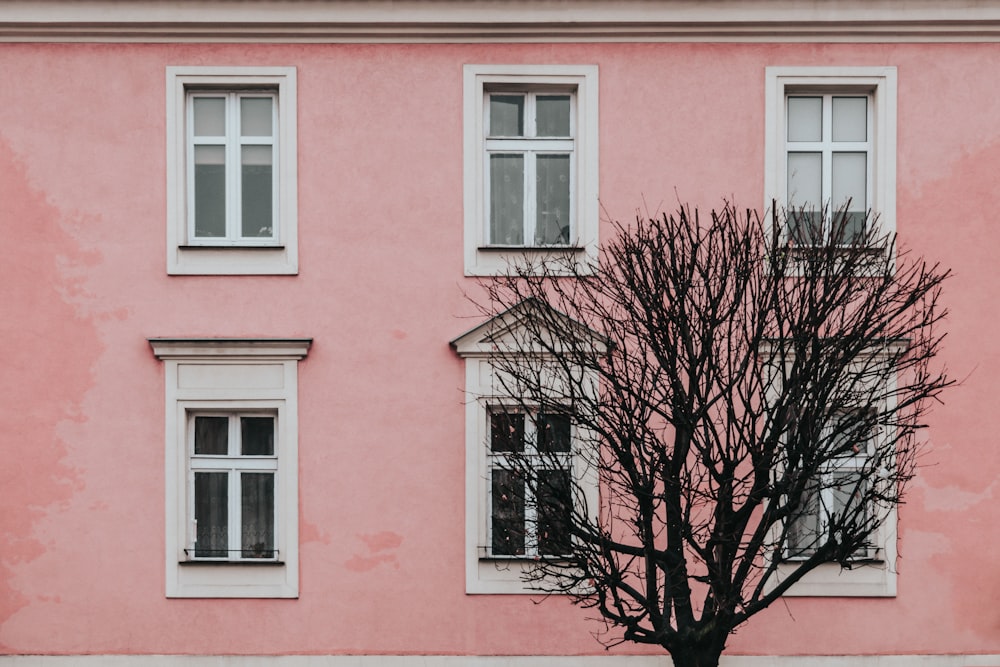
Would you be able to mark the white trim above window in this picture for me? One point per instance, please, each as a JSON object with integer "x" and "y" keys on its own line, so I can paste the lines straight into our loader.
{"x": 231, "y": 466}
{"x": 231, "y": 170}
{"x": 531, "y": 167}
{"x": 830, "y": 134}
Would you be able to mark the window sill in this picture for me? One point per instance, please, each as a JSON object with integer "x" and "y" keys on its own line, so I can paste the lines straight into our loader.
{"x": 531, "y": 248}
{"x": 236, "y": 246}
{"x": 237, "y": 563}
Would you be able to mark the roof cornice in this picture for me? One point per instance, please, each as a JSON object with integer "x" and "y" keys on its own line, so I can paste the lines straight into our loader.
{"x": 499, "y": 21}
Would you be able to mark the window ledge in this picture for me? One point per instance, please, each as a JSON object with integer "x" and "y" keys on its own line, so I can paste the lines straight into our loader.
{"x": 235, "y": 246}
{"x": 231, "y": 563}
{"x": 532, "y": 248}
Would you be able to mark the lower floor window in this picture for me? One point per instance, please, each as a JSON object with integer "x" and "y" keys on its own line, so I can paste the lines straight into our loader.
{"x": 530, "y": 484}
{"x": 233, "y": 470}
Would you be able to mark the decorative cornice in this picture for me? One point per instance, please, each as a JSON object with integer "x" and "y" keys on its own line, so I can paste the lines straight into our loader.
{"x": 457, "y": 21}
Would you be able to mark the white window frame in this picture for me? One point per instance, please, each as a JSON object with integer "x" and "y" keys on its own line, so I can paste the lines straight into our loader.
{"x": 484, "y": 391}
{"x": 233, "y": 464}
{"x": 232, "y": 255}
{"x": 872, "y": 574}
{"x": 581, "y": 81}
{"x": 879, "y": 84}
{"x": 541, "y": 462}
{"x": 230, "y": 376}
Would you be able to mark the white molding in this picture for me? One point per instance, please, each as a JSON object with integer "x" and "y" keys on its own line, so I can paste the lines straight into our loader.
{"x": 277, "y": 257}
{"x": 512, "y": 21}
{"x": 584, "y": 78}
{"x": 231, "y": 374}
{"x": 658, "y": 660}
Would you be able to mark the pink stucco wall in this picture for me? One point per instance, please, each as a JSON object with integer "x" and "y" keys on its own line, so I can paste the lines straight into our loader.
{"x": 380, "y": 289}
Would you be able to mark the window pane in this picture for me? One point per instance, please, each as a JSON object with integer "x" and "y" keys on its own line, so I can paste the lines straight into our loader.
{"x": 552, "y": 192}
{"x": 211, "y": 514}
{"x": 850, "y": 119}
{"x": 850, "y": 184}
{"x": 210, "y": 116}
{"x": 849, "y": 488}
{"x": 257, "y": 436}
{"x": 805, "y": 198}
{"x": 554, "y": 516}
{"x": 552, "y": 112}
{"x": 803, "y": 530}
{"x": 209, "y": 191}
{"x": 553, "y": 433}
{"x": 211, "y": 435}
{"x": 506, "y": 432}
{"x": 257, "y": 504}
{"x": 507, "y": 513}
{"x": 255, "y": 116}
{"x": 507, "y": 199}
{"x": 257, "y": 191}
{"x": 805, "y": 119}
{"x": 506, "y": 116}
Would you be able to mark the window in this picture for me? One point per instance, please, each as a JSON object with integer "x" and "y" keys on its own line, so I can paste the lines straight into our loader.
{"x": 835, "y": 495}
{"x": 531, "y": 165}
{"x": 830, "y": 150}
{"x": 231, "y": 480}
{"x": 231, "y": 466}
{"x": 231, "y": 171}
{"x": 529, "y": 519}
{"x": 526, "y": 470}
{"x": 857, "y": 444}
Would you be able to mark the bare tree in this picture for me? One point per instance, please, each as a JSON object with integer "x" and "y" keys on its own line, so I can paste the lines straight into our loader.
{"x": 755, "y": 414}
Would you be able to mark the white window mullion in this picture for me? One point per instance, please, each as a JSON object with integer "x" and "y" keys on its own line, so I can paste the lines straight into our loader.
{"x": 530, "y": 499}
{"x": 235, "y": 520}
{"x": 233, "y": 160}
{"x": 827, "y": 168}
{"x": 530, "y": 198}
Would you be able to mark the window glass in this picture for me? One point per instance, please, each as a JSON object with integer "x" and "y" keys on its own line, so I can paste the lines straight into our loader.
{"x": 553, "y": 115}
{"x": 850, "y": 119}
{"x": 258, "y": 177}
{"x": 507, "y": 511}
{"x": 507, "y": 432}
{"x": 553, "y": 199}
{"x": 211, "y": 436}
{"x": 255, "y": 116}
{"x": 554, "y": 507}
{"x": 257, "y": 436}
{"x": 257, "y": 512}
{"x": 506, "y": 115}
{"x": 209, "y": 116}
{"x": 507, "y": 199}
{"x": 211, "y": 514}
{"x": 805, "y": 119}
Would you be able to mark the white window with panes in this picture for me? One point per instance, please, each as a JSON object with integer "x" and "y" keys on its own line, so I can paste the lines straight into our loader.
{"x": 834, "y": 498}
{"x": 529, "y": 156}
{"x": 232, "y": 483}
{"x": 232, "y": 175}
{"x": 830, "y": 152}
{"x": 530, "y": 469}
{"x": 531, "y": 165}
{"x": 231, "y": 170}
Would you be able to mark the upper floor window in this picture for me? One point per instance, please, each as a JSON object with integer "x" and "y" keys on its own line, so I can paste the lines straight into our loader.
{"x": 231, "y": 170}
{"x": 531, "y": 165}
{"x": 529, "y": 147}
{"x": 830, "y": 151}
{"x": 232, "y": 180}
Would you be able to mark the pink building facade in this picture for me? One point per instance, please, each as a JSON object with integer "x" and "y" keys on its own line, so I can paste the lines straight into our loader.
{"x": 278, "y": 334}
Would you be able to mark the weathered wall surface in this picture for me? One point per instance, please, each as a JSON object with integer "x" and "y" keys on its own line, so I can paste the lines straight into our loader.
{"x": 380, "y": 289}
